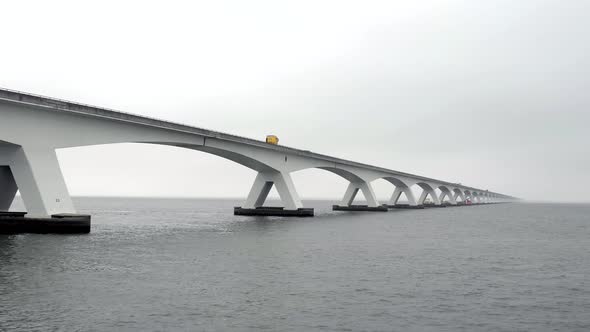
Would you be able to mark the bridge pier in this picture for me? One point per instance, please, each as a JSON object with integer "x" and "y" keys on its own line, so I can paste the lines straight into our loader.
{"x": 254, "y": 204}
{"x": 393, "y": 202}
{"x": 426, "y": 191}
{"x": 352, "y": 191}
{"x": 444, "y": 193}
{"x": 459, "y": 197}
{"x": 40, "y": 181}
{"x": 35, "y": 172}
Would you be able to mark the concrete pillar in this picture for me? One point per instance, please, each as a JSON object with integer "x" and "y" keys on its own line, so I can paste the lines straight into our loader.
{"x": 287, "y": 192}
{"x": 8, "y": 188}
{"x": 422, "y": 197}
{"x": 459, "y": 195}
{"x": 258, "y": 192}
{"x": 262, "y": 186}
{"x": 398, "y": 192}
{"x": 445, "y": 193}
{"x": 352, "y": 191}
{"x": 425, "y": 192}
{"x": 395, "y": 196}
{"x": 38, "y": 176}
{"x": 349, "y": 195}
{"x": 452, "y": 199}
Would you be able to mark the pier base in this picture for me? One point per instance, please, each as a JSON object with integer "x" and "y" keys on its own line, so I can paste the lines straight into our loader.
{"x": 405, "y": 206}
{"x": 16, "y": 222}
{"x": 446, "y": 204}
{"x": 434, "y": 206}
{"x": 381, "y": 208}
{"x": 273, "y": 212}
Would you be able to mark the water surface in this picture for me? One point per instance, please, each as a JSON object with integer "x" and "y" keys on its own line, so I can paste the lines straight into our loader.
{"x": 190, "y": 265}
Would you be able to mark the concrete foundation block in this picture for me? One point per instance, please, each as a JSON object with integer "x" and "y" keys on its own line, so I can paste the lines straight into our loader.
{"x": 17, "y": 222}
{"x": 406, "y": 206}
{"x": 273, "y": 212}
{"x": 381, "y": 208}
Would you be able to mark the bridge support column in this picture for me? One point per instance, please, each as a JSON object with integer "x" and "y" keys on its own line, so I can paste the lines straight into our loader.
{"x": 36, "y": 173}
{"x": 393, "y": 202}
{"x": 433, "y": 195}
{"x": 459, "y": 198}
{"x": 395, "y": 196}
{"x": 253, "y": 206}
{"x": 41, "y": 183}
{"x": 448, "y": 194}
{"x": 352, "y": 191}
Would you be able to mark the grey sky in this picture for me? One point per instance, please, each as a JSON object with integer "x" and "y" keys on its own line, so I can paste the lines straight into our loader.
{"x": 491, "y": 94}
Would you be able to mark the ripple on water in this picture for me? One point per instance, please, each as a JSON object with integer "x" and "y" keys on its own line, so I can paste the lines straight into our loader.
{"x": 154, "y": 264}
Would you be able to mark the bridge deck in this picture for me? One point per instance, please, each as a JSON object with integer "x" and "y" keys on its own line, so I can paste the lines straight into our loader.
{"x": 68, "y": 106}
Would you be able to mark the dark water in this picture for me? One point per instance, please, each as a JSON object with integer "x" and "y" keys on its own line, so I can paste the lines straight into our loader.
{"x": 189, "y": 265}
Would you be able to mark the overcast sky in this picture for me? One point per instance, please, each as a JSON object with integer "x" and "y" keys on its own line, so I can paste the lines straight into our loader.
{"x": 492, "y": 94}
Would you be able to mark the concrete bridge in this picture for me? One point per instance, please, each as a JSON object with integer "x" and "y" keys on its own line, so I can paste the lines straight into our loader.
{"x": 32, "y": 127}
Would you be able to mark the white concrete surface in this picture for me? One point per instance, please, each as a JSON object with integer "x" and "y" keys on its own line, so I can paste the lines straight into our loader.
{"x": 33, "y": 127}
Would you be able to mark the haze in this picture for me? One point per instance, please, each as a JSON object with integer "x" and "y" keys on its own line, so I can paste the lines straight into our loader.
{"x": 489, "y": 94}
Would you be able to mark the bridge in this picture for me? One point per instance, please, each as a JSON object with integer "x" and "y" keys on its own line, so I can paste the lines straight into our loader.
{"x": 32, "y": 127}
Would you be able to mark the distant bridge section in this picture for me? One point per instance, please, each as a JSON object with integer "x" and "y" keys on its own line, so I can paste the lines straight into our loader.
{"x": 32, "y": 127}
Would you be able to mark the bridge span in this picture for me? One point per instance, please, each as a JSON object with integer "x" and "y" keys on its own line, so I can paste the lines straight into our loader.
{"x": 32, "y": 127}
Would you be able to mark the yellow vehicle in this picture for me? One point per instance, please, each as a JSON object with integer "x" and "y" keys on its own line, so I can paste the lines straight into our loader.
{"x": 272, "y": 139}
